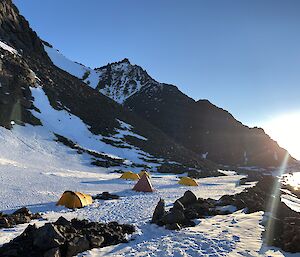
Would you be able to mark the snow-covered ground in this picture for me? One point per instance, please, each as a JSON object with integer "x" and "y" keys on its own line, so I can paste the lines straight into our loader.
{"x": 35, "y": 171}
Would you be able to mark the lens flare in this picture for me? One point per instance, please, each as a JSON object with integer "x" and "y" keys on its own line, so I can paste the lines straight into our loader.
{"x": 274, "y": 200}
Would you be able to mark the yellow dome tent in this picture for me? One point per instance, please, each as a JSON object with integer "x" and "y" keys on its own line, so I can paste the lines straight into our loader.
{"x": 187, "y": 181}
{"x": 130, "y": 175}
{"x": 144, "y": 172}
{"x": 74, "y": 200}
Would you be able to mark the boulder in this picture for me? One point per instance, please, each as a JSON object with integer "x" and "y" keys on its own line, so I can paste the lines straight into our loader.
{"x": 77, "y": 245}
{"x": 48, "y": 237}
{"x": 23, "y": 211}
{"x": 188, "y": 198}
{"x": 178, "y": 206}
{"x": 159, "y": 211}
{"x": 175, "y": 216}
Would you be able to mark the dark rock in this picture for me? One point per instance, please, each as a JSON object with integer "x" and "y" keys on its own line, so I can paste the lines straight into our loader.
{"x": 96, "y": 241}
{"x": 63, "y": 222}
{"x": 23, "y": 211}
{"x": 128, "y": 229}
{"x": 55, "y": 252}
{"x": 173, "y": 226}
{"x": 106, "y": 196}
{"x": 178, "y": 206}
{"x": 62, "y": 239}
{"x": 77, "y": 245}
{"x": 159, "y": 211}
{"x": 48, "y": 237}
{"x": 175, "y": 216}
{"x": 188, "y": 198}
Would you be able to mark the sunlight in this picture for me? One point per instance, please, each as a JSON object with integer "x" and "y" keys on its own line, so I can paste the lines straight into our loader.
{"x": 274, "y": 201}
{"x": 285, "y": 130}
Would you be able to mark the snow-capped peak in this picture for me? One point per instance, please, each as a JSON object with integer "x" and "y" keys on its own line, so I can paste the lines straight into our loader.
{"x": 120, "y": 80}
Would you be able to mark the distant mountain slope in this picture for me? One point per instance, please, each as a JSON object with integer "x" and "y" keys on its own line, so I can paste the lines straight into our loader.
{"x": 200, "y": 126}
{"x": 34, "y": 91}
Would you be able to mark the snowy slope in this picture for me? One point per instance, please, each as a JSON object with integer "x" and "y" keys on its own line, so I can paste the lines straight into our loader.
{"x": 71, "y": 127}
{"x": 74, "y": 68}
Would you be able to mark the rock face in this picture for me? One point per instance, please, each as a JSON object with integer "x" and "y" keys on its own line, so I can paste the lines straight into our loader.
{"x": 15, "y": 31}
{"x": 20, "y": 216}
{"x": 65, "y": 238}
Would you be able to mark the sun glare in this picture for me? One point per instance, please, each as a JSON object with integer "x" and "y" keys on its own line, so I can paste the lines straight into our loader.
{"x": 285, "y": 129}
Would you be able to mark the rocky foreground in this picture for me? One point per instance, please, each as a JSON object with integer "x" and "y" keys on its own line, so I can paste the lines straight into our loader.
{"x": 65, "y": 238}
{"x": 20, "y": 216}
{"x": 282, "y": 227}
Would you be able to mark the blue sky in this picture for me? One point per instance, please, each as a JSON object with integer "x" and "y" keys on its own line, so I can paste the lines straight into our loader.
{"x": 242, "y": 55}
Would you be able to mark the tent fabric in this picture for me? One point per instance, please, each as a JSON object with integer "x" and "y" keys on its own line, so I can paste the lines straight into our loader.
{"x": 143, "y": 185}
{"x": 74, "y": 200}
{"x": 130, "y": 175}
{"x": 144, "y": 172}
{"x": 187, "y": 181}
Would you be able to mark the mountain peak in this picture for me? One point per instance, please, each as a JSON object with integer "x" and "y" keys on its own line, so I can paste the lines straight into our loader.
{"x": 125, "y": 60}
{"x": 120, "y": 80}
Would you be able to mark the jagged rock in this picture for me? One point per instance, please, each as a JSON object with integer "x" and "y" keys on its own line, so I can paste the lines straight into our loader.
{"x": 178, "y": 206}
{"x": 24, "y": 211}
{"x": 48, "y": 237}
{"x": 188, "y": 198}
{"x": 159, "y": 211}
{"x": 65, "y": 239}
{"x": 20, "y": 216}
{"x": 77, "y": 245}
{"x": 63, "y": 222}
{"x": 175, "y": 216}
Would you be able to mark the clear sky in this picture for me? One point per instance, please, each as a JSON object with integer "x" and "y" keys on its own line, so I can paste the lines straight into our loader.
{"x": 242, "y": 55}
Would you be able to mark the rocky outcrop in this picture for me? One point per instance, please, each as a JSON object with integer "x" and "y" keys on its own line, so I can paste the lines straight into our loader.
{"x": 106, "y": 196}
{"x": 15, "y": 30}
{"x": 282, "y": 224}
{"x": 20, "y": 216}
{"x": 65, "y": 238}
{"x": 184, "y": 211}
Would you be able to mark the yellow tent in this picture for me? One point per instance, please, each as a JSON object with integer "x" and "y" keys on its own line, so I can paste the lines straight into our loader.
{"x": 130, "y": 175}
{"x": 187, "y": 181}
{"x": 74, "y": 200}
{"x": 144, "y": 172}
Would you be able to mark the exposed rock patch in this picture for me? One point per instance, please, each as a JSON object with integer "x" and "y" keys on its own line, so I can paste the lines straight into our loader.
{"x": 65, "y": 238}
{"x": 20, "y": 216}
{"x": 106, "y": 196}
